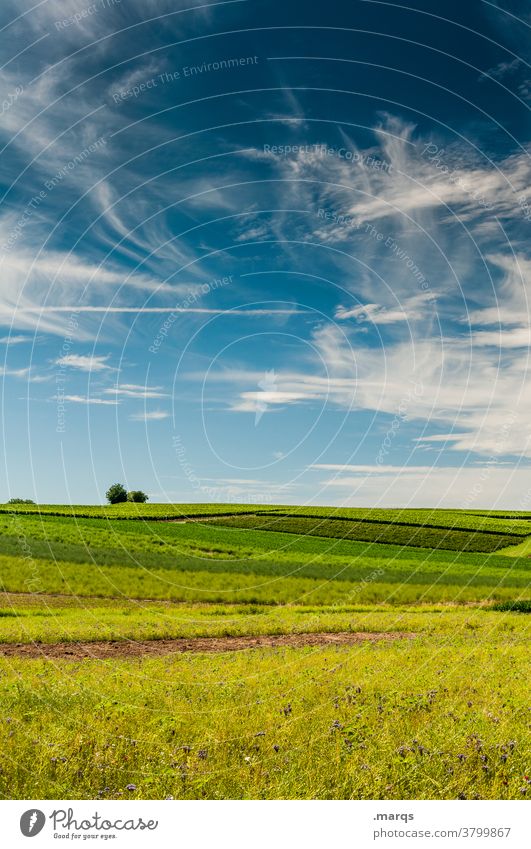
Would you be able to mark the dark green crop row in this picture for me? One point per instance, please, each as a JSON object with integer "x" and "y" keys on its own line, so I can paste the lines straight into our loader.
{"x": 411, "y": 535}
{"x": 458, "y": 519}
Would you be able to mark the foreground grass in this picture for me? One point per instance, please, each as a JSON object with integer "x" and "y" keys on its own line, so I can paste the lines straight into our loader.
{"x": 442, "y": 716}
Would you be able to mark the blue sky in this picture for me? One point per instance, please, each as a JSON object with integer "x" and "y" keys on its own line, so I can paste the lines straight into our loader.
{"x": 266, "y": 252}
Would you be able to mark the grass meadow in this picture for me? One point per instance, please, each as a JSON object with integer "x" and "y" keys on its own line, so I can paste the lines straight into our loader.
{"x": 433, "y": 706}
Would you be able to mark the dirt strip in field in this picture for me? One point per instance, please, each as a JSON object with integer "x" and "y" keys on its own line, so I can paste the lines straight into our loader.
{"x": 147, "y": 648}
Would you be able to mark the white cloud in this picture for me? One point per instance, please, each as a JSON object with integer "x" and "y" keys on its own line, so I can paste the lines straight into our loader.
{"x": 251, "y": 401}
{"x": 183, "y": 310}
{"x": 77, "y": 20}
{"x": 517, "y": 337}
{"x": 85, "y": 399}
{"x": 152, "y": 416}
{"x": 16, "y": 372}
{"x": 133, "y": 390}
{"x": 14, "y": 340}
{"x": 502, "y": 69}
{"x": 369, "y": 470}
{"x": 253, "y": 233}
{"x": 472, "y": 488}
{"x": 373, "y": 313}
{"x": 84, "y": 362}
{"x": 410, "y": 308}
{"x": 441, "y": 437}
{"x": 141, "y": 74}
{"x": 512, "y": 299}
{"x": 28, "y": 374}
{"x": 35, "y": 290}
{"x": 248, "y": 490}
{"x": 444, "y": 381}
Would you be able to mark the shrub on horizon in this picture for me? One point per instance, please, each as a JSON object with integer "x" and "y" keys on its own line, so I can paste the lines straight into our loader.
{"x": 116, "y": 494}
{"x": 20, "y": 501}
{"x": 137, "y": 496}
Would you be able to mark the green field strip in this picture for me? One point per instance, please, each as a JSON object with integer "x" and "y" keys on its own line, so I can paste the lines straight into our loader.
{"x": 185, "y": 547}
{"x": 401, "y": 523}
{"x": 522, "y": 550}
{"x": 423, "y": 518}
{"x": 153, "y": 512}
{"x": 194, "y": 543}
{"x": 398, "y": 534}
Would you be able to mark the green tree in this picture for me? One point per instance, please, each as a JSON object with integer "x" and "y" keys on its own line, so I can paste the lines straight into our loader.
{"x": 116, "y": 494}
{"x": 20, "y": 501}
{"x": 138, "y": 496}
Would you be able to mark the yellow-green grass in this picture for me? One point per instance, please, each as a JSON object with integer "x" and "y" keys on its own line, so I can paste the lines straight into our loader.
{"x": 442, "y": 716}
{"x": 54, "y": 619}
{"x": 44, "y": 576}
{"x": 521, "y": 550}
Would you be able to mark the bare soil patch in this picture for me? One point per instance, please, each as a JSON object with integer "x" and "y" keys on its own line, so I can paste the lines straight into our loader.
{"x": 147, "y": 648}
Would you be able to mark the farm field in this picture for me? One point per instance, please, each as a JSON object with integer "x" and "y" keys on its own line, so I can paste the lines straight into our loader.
{"x": 128, "y": 510}
{"x": 456, "y": 539}
{"x": 252, "y": 656}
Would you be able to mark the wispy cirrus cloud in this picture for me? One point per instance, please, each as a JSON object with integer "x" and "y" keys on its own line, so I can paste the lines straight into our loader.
{"x": 133, "y": 390}
{"x": 14, "y": 340}
{"x": 375, "y": 314}
{"x": 478, "y": 487}
{"x": 88, "y": 400}
{"x": 149, "y": 416}
{"x": 22, "y": 373}
{"x": 85, "y": 362}
{"x": 375, "y": 469}
{"x": 434, "y": 382}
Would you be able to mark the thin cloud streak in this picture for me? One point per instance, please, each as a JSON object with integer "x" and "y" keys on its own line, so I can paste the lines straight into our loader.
{"x": 199, "y": 310}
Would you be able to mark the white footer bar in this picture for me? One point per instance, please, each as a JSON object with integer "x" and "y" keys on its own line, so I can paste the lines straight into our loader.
{"x": 263, "y": 825}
